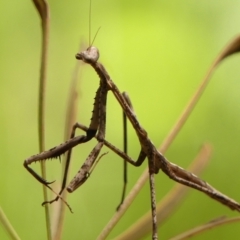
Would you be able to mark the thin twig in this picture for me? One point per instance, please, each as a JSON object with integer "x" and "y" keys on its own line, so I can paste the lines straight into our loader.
{"x": 43, "y": 10}
{"x": 8, "y": 226}
{"x": 71, "y": 116}
{"x": 201, "y": 229}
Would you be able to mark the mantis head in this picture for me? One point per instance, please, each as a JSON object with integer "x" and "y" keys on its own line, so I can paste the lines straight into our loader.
{"x": 90, "y": 55}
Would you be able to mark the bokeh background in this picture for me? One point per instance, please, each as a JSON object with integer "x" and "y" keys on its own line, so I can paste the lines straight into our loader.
{"x": 157, "y": 51}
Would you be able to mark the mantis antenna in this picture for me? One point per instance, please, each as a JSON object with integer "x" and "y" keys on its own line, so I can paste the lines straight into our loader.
{"x": 90, "y": 24}
{"x": 90, "y": 12}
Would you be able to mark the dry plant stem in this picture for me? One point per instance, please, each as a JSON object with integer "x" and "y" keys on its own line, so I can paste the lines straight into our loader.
{"x": 43, "y": 10}
{"x": 201, "y": 229}
{"x": 71, "y": 113}
{"x": 170, "y": 202}
{"x": 7, "y": 226}
{"x": 232, "y": 47}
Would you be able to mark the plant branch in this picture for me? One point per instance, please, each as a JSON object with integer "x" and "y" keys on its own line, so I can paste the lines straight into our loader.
{"x": 43, "y": 10}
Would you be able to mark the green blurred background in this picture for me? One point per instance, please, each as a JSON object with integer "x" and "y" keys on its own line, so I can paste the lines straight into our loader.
{"x": 157, "y": 51}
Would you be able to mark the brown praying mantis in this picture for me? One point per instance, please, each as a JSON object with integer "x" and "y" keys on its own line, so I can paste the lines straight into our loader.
{"x": 156, "y": 161}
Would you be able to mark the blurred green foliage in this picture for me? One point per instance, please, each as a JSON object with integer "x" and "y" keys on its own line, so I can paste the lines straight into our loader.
{"x": 157, "y": 51}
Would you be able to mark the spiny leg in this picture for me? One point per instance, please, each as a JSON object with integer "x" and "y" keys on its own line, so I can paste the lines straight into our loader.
{"x": 89, "y": 136}
{"x": 128, "y": 101}
{"x": 57, "y": 151}
{"x": 98, "y": 121}
{"x": 186, "y": 178}
{"x": 125, "y": 143}
{"x": 153, "y": 195}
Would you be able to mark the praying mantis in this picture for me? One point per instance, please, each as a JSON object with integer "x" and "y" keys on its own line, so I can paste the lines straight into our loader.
{"x": 156, "y": 161}
{"x": 97, "y": 129}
